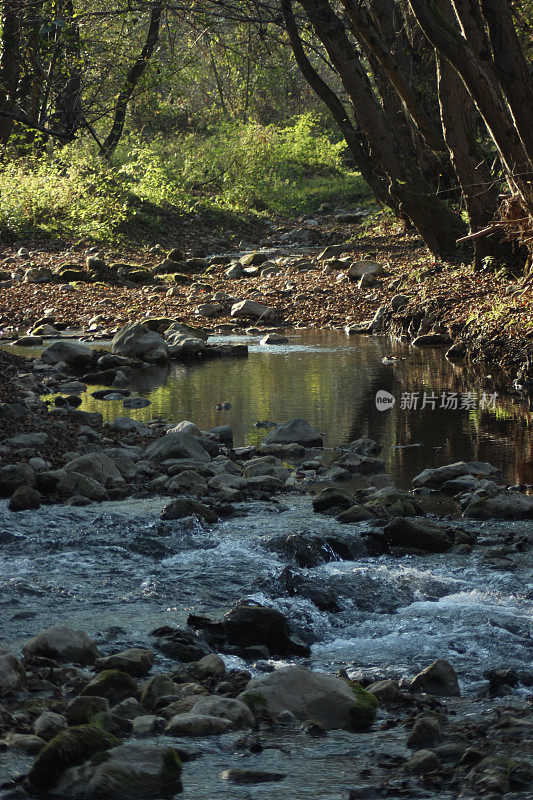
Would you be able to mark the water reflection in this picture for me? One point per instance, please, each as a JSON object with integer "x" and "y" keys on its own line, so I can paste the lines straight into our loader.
{"x": 331, "y": 381}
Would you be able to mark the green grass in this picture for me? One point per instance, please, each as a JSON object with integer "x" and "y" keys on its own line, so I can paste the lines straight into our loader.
{"x": 234, "y": 170}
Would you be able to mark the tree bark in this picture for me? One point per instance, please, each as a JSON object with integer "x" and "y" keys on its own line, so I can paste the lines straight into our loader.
{"x": 9, "y": 66}
{"x": 484, "y": 91}
{"x": 377, "y": 183}
{"x": 376, "y": 46}
{"x": 132, "y": 79}
{"x": 511, "y": 67}
{"x": 436, "y": 223}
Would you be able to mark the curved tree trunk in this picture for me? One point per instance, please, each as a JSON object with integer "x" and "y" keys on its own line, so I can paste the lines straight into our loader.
{"x": 132, "y": 79}
{"x": 436, "y": 223}
{"x": 377, "y": 183}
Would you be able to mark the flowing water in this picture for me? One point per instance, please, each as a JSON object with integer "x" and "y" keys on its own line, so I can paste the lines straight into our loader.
{"x": 117, "y": 571}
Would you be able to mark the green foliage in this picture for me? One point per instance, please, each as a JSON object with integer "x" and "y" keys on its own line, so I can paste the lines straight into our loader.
{"x": 236, "y": 167}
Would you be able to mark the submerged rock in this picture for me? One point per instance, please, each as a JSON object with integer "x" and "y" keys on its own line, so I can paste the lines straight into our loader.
{"x": 426, "y": 536}
{"x": 62, "y": 644}
{"x": 331, "y": 702}
{"x": 296, "y": 431}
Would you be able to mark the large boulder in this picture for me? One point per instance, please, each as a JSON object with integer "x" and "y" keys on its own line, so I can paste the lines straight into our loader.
{"x": 182, "y": 346}
{"x": 332, "y": 702}
{"x": 62, "y": 644}
{"x": 97, "y": 466}
{"x": 508, "y": 505}
{"x": 134, "y": 770}
{"x": 12, "y": 675}
{"x": 74, "y": 354}
{"x": 137, "y": 341}
{"x": 296, "y": 431}
{"x": 177, "y": 445}
{"x": 73, "y": 483}
{"x": 251, "y": 308}
{"x": 434, "y": 478}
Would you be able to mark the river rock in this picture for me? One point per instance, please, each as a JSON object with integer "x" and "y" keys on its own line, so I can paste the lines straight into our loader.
{"x": 26, "y": 743}
{"x": 12, "y": 674}
{"x": 331, "y": 702}
{"x": 387, "y": 691}
{"x": 198, "y": 725}
{"x": 81, "y": 710}
{"x": 235, "y": 710}
{"x": 186, "y": 427}
{"x": 246, "y": 625}
{"x": 186, "y": 507}
{"x": 48, "y": 724}
{"x": 425, "y": 732}
{"x": 64, "y": 644}
{"x": 423, "y": 761}
{"x": 296, "y": 431}
{"x": 135, "y": 661}
{"x": 113, "y": 685}
{"x": 74, "y": 354}
{"x": 182, "y": 346}
{"x": 177, "y": 445}
{"x": 96, "y": 466}
{"x": 359, "y": 268}
{"x": 72, "y": 483}
{"x": 12, "y": 476}
{"x": 265, "y": 465}
{"x": 426, "y": 536}
{"x": 250, "y": 308}
{"x": 133, "y": 770}
{"x": 210, "y": 666}
{"x": 24, "y": 498}
{"x": 68, "y": 748}
{"x": 274, "y": 338}
{"x": 156, "y": 687}
{"x": 137, "y": 341}
{"x": 510, "y": 505}
{"x": 432, "y": 340}
{"x": 435, "y": 478}
{"x": 439, "y": 679}
{"x": 250, "y": 776}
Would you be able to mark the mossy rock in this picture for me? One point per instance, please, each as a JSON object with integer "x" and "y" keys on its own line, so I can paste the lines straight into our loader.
{"x": 69, "y": 748}
{"x": 112, "y": 684}
{"x": 364, "y": 711}
{"x": 173, "y": 767}
{"x": 255, "y": 701}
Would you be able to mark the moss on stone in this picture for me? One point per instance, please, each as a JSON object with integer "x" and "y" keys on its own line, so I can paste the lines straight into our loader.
{"x": 172, "y": 766}
{"x": 363, "y": 712}
{"x": 69, "y": 748}
{"x": 254, "y": 700}
{"x": 113, "y": 685}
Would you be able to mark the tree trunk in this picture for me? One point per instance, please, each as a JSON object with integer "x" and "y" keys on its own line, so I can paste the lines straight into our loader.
{"x": 9, "y": 65}
{"x": 511, "y": 67}
{"x": 436, "y": 223}
{"x": 377, "y": 183}
{"x": 132, "y": 79}
{"x": 486, "y": 94}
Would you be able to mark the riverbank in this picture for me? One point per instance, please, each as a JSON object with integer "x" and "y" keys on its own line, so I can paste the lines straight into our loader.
{"x": 487, "y": 315}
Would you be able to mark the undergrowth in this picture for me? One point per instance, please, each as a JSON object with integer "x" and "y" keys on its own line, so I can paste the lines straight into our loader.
{"x": 248, "y": 168}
